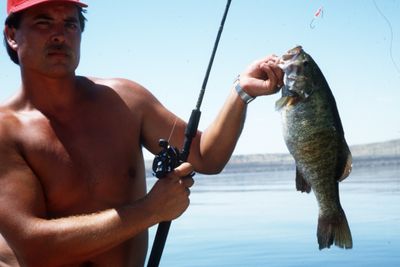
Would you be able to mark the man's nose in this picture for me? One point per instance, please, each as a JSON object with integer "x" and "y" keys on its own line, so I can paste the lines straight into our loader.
{"x": 58, "y": 34}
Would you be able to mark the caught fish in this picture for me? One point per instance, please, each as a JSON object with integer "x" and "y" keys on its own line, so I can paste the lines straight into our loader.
{"x": 314, "y": 136}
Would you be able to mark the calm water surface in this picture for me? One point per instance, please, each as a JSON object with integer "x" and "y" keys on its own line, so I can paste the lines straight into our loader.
{"x": 259, "y": 219}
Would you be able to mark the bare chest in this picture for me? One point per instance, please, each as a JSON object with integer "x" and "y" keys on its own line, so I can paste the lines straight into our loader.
{"x": 96, "y": 165}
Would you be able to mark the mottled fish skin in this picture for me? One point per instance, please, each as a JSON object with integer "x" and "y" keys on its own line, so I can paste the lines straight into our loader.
{"x": 314, "y": 136}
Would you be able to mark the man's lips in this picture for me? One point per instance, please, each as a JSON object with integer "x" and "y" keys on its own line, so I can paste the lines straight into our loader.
{"x": 60, "y": 51}
{"x": 58, "y": 54}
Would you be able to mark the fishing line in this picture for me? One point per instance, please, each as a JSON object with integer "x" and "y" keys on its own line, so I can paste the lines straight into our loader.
{"x": 173, "y": 129}
{"x": 391, "y": 36}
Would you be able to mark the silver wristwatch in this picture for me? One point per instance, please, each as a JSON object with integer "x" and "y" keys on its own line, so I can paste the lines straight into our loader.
{"x": 243, "y": 95}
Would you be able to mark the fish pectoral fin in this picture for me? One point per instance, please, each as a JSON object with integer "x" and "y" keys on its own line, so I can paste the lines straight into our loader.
{"x": 286, "y": 101}
{"x": 301, "y": 183}
{"x": 345, "y": 161}
{"x": 281, "y": 102}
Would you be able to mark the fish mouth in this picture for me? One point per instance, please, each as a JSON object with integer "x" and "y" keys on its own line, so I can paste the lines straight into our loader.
{"x": 286, "y": 62}
{"x": 293, "y": 80}
{"x": 294, "y": 52}
{"x": 290, "y": 57}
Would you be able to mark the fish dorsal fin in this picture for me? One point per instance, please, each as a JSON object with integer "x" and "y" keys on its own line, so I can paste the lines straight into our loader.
{"x": 301, "y": 183}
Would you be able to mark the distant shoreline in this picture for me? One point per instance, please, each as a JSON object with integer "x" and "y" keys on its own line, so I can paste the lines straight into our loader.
{"x": 364, "y": 156}
{"x": 367, "y": 155}
{"x": 282, "y": 165}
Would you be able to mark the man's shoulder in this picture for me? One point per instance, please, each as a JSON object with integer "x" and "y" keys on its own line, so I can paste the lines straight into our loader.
{"x": 9, "y": 125}
{"x": 128, "y": 90}
{"x": 8, "y": 116}
{"x": 118, "y": 84}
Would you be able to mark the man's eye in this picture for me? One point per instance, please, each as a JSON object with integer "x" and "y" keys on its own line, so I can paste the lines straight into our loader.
{"x": 43, "y": 23}
{"x": 72, "y": 26}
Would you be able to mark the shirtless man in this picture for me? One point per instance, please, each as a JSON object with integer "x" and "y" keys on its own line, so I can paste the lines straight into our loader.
{"x": 72, "y": 180}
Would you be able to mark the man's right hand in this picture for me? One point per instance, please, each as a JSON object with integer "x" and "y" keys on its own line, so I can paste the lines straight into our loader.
{"x": 170, "y": 195}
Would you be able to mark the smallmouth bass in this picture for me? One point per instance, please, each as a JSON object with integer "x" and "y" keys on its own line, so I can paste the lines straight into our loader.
{"x": 314, "y": 136}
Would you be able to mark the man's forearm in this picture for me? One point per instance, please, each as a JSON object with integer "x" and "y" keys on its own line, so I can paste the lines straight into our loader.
{"x": 75, "y": 239}
{"x": 219, "y": 140}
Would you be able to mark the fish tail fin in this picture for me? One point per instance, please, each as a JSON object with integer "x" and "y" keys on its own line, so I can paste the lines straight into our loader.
{"x": 334, "y": 230}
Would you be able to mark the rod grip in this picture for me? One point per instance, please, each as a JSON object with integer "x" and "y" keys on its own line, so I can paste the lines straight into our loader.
{"x": 190, "y": 133}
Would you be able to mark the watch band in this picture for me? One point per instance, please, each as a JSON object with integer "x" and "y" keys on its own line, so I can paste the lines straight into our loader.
{"x": 242, "y": 94}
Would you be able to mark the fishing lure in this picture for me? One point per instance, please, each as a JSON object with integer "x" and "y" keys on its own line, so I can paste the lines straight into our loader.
{"x": 318, "y": 14}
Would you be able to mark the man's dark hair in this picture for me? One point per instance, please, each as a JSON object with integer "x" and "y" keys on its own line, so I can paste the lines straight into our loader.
{"x": 14, "y": 21}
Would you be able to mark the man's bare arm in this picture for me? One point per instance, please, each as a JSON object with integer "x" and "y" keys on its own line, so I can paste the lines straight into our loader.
{"x": 38, "y": 241}
{"x": 211, "y": 150}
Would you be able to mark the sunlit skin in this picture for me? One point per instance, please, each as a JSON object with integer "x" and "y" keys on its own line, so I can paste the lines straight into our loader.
{"x": 72, "y": 181}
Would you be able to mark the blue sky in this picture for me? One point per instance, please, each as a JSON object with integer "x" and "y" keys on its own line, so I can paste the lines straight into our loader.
{"x": 166, "y": 45}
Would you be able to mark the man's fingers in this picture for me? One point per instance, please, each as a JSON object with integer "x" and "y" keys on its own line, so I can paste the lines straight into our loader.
{"x": 183, "y": 174}
{"x": 183, "y": 170}
{"x": 271, "y": 81}
{"x": 187, "y": 181}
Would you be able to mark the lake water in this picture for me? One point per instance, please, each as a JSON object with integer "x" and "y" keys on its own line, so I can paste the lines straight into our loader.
{"x": 259, "y": 219}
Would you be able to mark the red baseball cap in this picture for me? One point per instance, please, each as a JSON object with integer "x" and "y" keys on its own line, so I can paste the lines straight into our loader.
{"x": 19, "y": 5}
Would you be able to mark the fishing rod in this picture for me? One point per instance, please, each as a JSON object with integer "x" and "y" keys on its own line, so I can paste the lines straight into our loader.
{"x": 170, "y": 157}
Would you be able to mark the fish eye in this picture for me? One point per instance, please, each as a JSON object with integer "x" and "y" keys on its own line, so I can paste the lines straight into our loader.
{"x": 305, "y": 63}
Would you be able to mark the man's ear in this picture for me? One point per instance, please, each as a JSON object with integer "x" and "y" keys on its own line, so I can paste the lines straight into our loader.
{"x": 9, "y": 34}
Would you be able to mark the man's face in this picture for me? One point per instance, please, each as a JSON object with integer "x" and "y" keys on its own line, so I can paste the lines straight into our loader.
{"x": 48, "y": 39}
